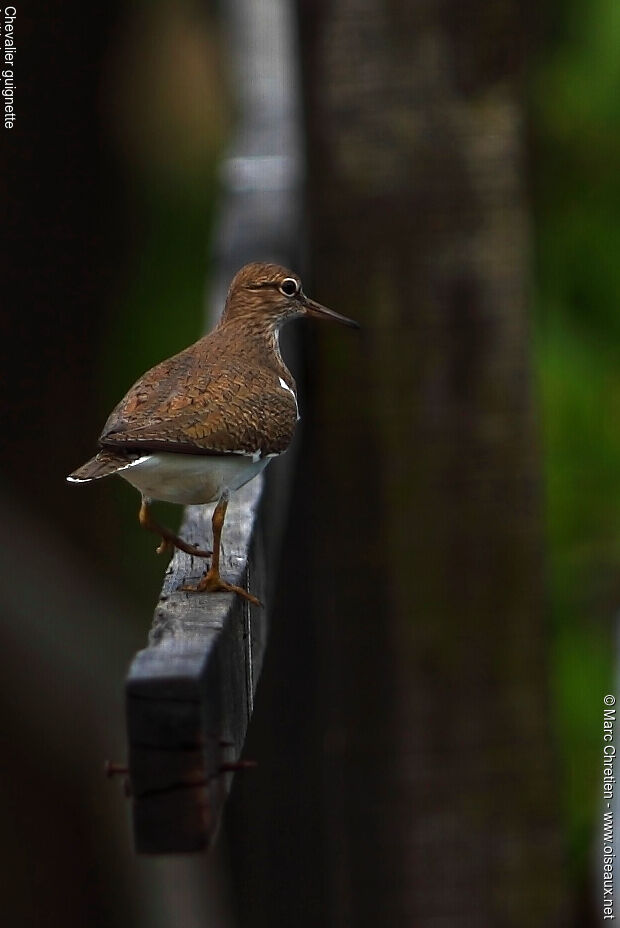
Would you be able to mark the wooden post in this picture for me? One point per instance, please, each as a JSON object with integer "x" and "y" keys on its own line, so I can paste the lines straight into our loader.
{"x": 441, "y": 802}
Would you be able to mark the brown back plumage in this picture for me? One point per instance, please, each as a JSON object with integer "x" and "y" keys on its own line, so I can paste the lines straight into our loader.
{"x": 223, "y": 394}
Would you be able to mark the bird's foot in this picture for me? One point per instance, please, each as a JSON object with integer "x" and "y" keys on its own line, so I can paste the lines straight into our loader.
{"x": 213, "y": 583}
{"x": 169, "y": 544}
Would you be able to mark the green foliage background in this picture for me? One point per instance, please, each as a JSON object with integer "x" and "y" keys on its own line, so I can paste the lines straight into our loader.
{"x": 575, "y": 126}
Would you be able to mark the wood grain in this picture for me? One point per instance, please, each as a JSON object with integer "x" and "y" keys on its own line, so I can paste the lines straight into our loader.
{"x": 190, "y": 692}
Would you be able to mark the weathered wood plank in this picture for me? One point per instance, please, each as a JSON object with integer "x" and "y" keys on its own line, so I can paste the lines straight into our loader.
{"x": 190, "y": 691}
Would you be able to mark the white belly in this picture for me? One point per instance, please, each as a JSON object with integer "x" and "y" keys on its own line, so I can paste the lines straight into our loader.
{"x": 191, "y": 479}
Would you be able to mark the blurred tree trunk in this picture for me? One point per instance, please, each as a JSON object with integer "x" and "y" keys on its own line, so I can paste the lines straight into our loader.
{"x": 440, "y": 790}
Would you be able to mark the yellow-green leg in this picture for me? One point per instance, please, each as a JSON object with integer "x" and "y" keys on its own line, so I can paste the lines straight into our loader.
{"x": 212, "y": 581}
{"x": 168, "y": 539}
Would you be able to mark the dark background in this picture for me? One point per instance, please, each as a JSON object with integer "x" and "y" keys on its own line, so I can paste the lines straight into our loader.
{"x": 109, "y": 187}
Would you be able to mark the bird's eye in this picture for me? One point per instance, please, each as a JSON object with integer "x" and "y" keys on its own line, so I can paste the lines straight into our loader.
{"x": 289, "y": 286}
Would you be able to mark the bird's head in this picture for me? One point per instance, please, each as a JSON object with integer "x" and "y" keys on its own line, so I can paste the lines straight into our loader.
{"x": 275, "y": 295}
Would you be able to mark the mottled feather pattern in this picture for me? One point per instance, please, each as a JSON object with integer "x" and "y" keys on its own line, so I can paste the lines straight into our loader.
{"x": 222, "y": 395}
{"x": 217, "y": 410}
{"x": 104, "y": 464}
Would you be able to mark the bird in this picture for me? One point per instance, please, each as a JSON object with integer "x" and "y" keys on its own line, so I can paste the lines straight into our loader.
{"x": 201, "y": 424}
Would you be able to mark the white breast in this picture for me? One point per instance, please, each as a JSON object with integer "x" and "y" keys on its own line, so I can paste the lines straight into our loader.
{"x": 191, "y": 479}
{"x": 286, "y": 387}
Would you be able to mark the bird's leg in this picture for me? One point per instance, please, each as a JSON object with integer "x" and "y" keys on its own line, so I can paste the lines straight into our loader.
{"x": 212, "y": 582}
{"x": 168, "y": 538}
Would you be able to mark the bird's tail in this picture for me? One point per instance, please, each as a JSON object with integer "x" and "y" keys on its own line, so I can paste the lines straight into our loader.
{"x": 104, "y": 464}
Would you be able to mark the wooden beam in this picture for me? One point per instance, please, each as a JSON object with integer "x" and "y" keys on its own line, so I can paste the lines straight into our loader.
{"x": 190, "y": 691}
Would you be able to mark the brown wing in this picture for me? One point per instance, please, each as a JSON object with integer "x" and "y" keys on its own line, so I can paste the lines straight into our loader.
{"x": 190, "y": 405}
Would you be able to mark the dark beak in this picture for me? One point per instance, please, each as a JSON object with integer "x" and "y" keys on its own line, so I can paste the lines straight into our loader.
{"x": 321, "y": 312}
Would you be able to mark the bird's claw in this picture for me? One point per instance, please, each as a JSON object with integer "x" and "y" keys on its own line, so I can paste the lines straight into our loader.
{"x": 213, "y": 583}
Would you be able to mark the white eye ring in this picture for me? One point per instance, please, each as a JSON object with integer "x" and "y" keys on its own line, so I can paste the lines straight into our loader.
{"x": 290, "y": 286}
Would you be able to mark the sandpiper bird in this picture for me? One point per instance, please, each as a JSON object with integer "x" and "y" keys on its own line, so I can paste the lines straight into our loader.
{"x": 209, "y": 419}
